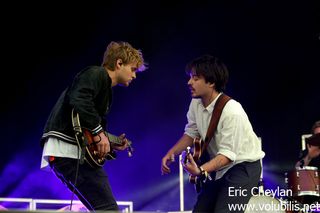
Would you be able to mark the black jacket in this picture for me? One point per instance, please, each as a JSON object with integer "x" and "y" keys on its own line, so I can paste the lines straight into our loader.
{"x": 90, "y": 95}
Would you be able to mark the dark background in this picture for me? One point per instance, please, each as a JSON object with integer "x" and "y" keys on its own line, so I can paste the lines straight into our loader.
{"x": 270, "y": 47}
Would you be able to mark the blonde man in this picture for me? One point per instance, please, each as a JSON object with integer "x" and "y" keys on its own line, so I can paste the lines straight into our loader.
{"x": 90, "y": 96}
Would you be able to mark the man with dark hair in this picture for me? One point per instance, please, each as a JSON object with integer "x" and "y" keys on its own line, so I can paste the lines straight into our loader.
{"x": 234, "y": 151}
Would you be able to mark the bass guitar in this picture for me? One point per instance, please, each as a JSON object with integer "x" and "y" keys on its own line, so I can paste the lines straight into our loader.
{"x": 88, "y": 147}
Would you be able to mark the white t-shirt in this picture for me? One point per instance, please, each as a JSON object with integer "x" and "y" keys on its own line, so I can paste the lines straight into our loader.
{"x": 58, "y": 148}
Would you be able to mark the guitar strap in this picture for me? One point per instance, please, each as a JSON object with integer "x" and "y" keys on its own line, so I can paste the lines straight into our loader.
{"x": 219, "y": 105}
{"x": 79, "y": 134}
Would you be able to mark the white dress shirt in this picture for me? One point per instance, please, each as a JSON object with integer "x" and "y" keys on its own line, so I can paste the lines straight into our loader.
{"x": 234, "y": 136}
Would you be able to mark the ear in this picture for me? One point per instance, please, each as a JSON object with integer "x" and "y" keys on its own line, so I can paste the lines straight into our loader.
{"x": 119, "y": 63}
{"x": 212, "y": 85}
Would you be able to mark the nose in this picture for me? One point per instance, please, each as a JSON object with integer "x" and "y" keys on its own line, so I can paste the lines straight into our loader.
{"x": 134, "y": 75}
{"x": 190, "y": 81}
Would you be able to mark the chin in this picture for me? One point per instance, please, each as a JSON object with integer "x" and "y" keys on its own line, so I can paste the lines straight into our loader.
{"x": 126, "y": 84}
{"x": 195, "y": 96}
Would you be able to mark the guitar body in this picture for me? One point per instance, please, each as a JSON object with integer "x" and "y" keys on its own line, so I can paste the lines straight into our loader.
{"x": 91, "y": 154}
{"x": 89, "y": 150}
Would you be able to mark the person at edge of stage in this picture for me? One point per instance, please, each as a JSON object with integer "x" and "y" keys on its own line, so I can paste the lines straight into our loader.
{"x": 234, "y": 151}
{"x": 311, "y": 155}
{"x": 309, "y": 163}
{"x": 90, "y": 96}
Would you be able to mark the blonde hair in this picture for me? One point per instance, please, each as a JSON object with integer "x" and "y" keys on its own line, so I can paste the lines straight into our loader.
{"x": 124, "y": 51}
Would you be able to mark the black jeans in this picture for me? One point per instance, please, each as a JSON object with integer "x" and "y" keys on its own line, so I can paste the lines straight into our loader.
{"x": 92, "y": 186}
{"x": 235, "y": 187}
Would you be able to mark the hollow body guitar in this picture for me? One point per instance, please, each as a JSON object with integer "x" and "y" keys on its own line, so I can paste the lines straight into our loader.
{"x": 88, "y": 147}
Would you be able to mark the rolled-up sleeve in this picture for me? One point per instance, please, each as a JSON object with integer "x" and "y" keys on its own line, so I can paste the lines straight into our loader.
{"x": 191, "y": 127}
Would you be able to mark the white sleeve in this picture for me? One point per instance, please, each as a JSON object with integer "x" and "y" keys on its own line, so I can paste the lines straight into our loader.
{"x": 191, "y": 128}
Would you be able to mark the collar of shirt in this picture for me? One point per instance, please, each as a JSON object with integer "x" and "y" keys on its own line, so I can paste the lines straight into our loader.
{"x": 210, "y": 107}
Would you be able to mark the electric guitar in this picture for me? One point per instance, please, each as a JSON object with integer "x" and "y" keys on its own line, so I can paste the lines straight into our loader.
{"x": 196, "y": 152}
{"x": 88, "y": 147}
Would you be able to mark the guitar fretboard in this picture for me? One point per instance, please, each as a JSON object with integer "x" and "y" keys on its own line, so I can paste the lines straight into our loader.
{"x": 115, "y": 139}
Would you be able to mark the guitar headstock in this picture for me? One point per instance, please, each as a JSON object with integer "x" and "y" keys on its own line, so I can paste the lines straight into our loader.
{"x": 130, "y": 150}
{"x": 185, "y": 154}
{"x": 188, "y": 150}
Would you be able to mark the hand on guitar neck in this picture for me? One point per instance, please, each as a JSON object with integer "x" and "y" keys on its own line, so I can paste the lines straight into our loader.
{"x": 96, "y": 149}
{"x": 191, "y": 164}
{"x": 120, "y": 143}
{"x": 116, "y": 143}
{"x": 104, "y": 145}
{"x": 188, "y": 162}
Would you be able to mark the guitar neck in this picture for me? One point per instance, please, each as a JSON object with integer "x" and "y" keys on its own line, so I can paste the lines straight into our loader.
{"x": 115, "y": 139}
